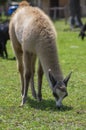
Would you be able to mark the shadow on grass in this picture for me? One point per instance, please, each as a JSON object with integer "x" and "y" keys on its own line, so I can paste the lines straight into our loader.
{"x": 12, "y": 59}
{"x": 47, "y": 105}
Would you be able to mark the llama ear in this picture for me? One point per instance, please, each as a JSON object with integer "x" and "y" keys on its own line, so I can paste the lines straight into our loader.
{"x": 53, "y": 81}
{"x": 67, "y": 79}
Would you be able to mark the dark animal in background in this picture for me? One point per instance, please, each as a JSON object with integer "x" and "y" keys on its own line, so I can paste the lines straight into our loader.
{"x": 82, "y": 32}
{"x": 4, "y": 36}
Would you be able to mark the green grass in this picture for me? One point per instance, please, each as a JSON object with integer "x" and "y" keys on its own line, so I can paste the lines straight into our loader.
{"x": 44, "y": 115}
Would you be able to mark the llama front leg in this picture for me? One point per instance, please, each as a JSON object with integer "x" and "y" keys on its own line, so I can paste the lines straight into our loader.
{"x": 33, "y": 59}
{"x": 32, "y": 86}
{"x": 40, "y": 76}
{"x": 27, "y": 74}
{"x": 2, "y": 49}
{"x": 20, "y": 68}
{"x": 5, "y": 50}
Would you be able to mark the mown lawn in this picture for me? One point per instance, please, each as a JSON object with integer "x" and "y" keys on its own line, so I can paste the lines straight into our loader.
{"x": 44, "y": 115}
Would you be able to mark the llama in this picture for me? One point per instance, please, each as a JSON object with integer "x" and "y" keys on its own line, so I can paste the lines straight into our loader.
{"x": 4, "y": 37}
{"x": 82, "y": 33}
{"x": 33, "y": 34}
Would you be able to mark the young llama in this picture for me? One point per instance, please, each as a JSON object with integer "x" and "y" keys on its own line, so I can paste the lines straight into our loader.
{"x": 33, "y": 34}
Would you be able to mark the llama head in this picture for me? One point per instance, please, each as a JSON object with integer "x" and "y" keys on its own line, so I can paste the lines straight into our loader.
{"x": 59, "y": 88}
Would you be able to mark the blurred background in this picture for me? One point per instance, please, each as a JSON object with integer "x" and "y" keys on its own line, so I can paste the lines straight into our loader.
{"x": 71, "y": 10}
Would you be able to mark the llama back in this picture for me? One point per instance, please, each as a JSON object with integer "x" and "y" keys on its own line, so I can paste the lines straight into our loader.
{"x": 34, "y": 21}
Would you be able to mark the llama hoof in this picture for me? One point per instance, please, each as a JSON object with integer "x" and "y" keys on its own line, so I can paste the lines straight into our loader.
{"x": 21, "y": 105}
{"x": 23, "y": 101}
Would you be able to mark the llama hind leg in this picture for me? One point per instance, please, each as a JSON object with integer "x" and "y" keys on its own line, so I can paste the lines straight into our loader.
{"x": 27, "y": 74}
{"x": 20, "y": 69}
{"x": 5, "y": 49}
{"x": 40, "y": 76}
{"x": 19, "y": 54}
{"x": 33, "y": 59}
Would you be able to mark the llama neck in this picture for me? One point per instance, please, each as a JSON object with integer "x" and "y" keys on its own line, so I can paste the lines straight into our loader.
{"x": 53, "y": 64}
{"x": 49, "y": 60}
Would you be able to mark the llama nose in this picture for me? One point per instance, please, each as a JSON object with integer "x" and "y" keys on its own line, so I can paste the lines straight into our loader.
{"x": 59, "y": 107}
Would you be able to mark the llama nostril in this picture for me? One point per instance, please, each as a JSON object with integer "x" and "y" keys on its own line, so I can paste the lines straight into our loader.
{"x": 59, "y": 105}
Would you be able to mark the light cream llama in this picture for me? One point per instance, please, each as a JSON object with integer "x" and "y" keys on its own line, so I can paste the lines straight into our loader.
{"x": 33, "y": 34}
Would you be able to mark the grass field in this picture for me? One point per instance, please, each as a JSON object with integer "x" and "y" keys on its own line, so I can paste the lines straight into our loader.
{"x": 44, "y": 115}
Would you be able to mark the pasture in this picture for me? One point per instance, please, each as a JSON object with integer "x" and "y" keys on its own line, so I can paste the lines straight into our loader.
{"x": 44, "y": 115}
